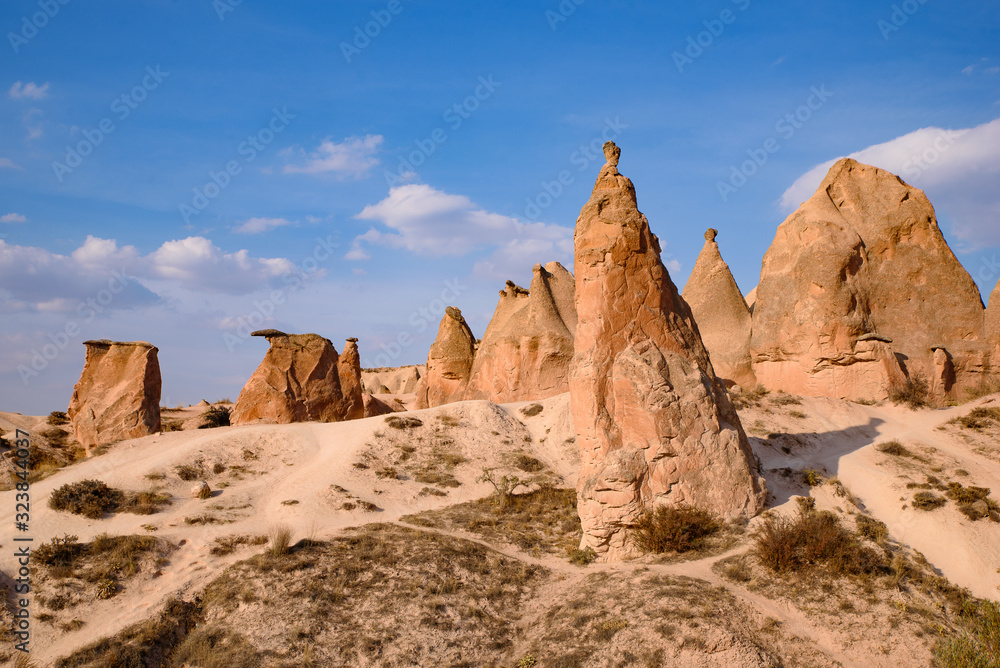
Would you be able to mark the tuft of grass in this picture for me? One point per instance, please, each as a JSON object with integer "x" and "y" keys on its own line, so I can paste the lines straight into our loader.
{"x": 679, "y": 530}
{"x": 216, "y": 416}
{"x": 582, "y": 557}
{"x": 782, "y": 399}
{"x": 914, "y": 392}
{"x": 927, "y": 501}
{"x": 280, "y": 539}
{"x": 978, "y": 647}
{"x": 532, "y": 410}
{"x": 403, "y": 422}
{"x": 872, "y": 529}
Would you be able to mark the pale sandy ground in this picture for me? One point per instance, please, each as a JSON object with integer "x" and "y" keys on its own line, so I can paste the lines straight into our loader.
{"x": 302, "y": 462}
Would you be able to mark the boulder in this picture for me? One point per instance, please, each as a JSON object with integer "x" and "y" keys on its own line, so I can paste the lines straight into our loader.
{"x": 655, "y": 426}
{"x": 118, "y": 394}
{"x": 527, "y": 349}
{"x": 375, "y": 407}
{"x": 298, "y": 381}
{"x": 201, "y": 490}
{"x": 349, "y": 371}
{"x": 449, "y": 362}
{"x": 890, "y": 272}
{"x": 722, "y": 315}
{"x": 813, "y": 329}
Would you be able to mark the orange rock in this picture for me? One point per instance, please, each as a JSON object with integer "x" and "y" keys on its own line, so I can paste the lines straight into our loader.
{"x": 654, "y": 424}
{"x": 993, "y": 327}
{"x": 298, "y": 381}
{"x": 449, "y": 362}
{"x": 527, "y": 349}
{"x": 349, "y": 371}
{"x": 722, "y": 315}
{"x": 375, "y": 406}
{"x": 118, "y": 394}
{"x": 863, "y": 256}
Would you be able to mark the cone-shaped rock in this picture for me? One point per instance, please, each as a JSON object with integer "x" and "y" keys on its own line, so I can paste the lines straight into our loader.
{"x": 654, "y": 424}
{"x": 527, "y": 349}
{"x": 118, "y": 394}
{"x": 449, "y": 362}
{"x": 722, "y": 315}
{"x": 298, "y": 381}
{"x": 993, "y": 327}
{"x": 864, "y": 256}
{"x": 349, "y": 371}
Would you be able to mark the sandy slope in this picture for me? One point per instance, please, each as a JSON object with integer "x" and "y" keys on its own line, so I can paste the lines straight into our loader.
{"x": 301, "y": 475}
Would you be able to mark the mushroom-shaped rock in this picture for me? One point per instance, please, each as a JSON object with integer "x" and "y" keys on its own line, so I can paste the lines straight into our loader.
{"x": 527, "y": 349}
{"x": 722, "y": 315}
{"x": 349, "y": 371}
{"x": 449, "y": 362}
{"x": 298, "y": 381}
{"x": 118, "y": 394}
{"x": 655, "y": 426}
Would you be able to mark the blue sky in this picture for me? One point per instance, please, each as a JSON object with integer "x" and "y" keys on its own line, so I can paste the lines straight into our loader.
{"x": 356, "y": 184}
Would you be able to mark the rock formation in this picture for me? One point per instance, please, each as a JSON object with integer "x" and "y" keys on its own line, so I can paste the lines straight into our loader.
{"x": 399, "y": 380}
{"x": 298, "y": 381}
{"x": 449, "y": 362}
{"x": 993, "y": 328}
{"x": 526, "y": 351}
{"x": 863, "y": 256}
{"x": 118, "y": 394}
{"x": 349, "y": 372}
{"x": 374, "y": 407}
{"x": 655, "y": 426}
{"x": 722, "y": 315}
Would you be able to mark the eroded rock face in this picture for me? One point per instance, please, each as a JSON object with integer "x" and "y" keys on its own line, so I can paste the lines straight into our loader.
{"x": 349, "y": 372}
{"x": 298, "y": 381}
{"x": 722, "y": 315}
{"x": 813, "y": 329}
{"x": 527, "y": 349}
{"x": 653, "y": 422}
{"x": 449, "y": 362}
{"x": 993, "y": 328}
{"x": 870, "y": 259}
{"x": 118, "y": 394}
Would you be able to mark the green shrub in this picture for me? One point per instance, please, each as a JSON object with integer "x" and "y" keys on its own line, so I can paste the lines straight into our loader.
{"x": 216, "y": 416}
{"x": 674, "y": 529}
{"x": 90, "y": 498}
{"x": 979, "y": 647}
{"x": 812, "y": 478}
{"x": 582, "y": 557}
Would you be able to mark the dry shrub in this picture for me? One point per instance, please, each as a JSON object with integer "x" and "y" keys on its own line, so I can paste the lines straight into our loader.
{"x": 215, "y": 647}
{"x": 782, "y": 399}
{"x": 914, "y": 392}
{"x": 216, "y": 416}
{"x": 90, "y": 498}
{"x": 532, "y": 410}
{"x": 57, "y": 418}
{"x": 814, "y": 539}
{"x": 403, "y": 422}
{"x": 187, "y": 472}
{"x": 979, "y": 647}
{"x": 674, "y": 530}
{"x": 872, "y": 529}
{"x": 528, "y": 464}
{"x": 927, "y": 501}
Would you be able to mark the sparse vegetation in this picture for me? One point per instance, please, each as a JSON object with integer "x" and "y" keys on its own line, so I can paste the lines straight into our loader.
{"x": 927, "y": 501}
{"x": 532, "y": 410}
{"x": 872, "y": 529}
{"x": 504, "y": 486}
{"x": 582, "y": 557}
{"x": 403, "y": 422}
{"x": 783, "y": 399}
{"x": 914, "y": 392}
{"x": 528, "y": 464}
{"x": 90, "y": 498}
{"x": 188, "y": 472}
{"x": 678, "y": 530}
{"x": 215, "y": 416}
{"x": 280, "y": 539}
{"x": 812, "y": 478}
{"x": 57, "y": 418}
{"x": 979, "y": 647}
{"x": 748, "y": 398}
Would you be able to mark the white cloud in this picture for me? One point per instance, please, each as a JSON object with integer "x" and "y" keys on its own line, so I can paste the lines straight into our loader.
{"x": 354, "y": 156}
{"x": 260, "y": 225}
{"x": 196, "y": 263}
{"x": 13, "y": 218}
{"x": 35, "y": 279}
{"x": 9, "y": 164}
{"x": 28, "y": 91}
{"x": 958, "y": 170}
